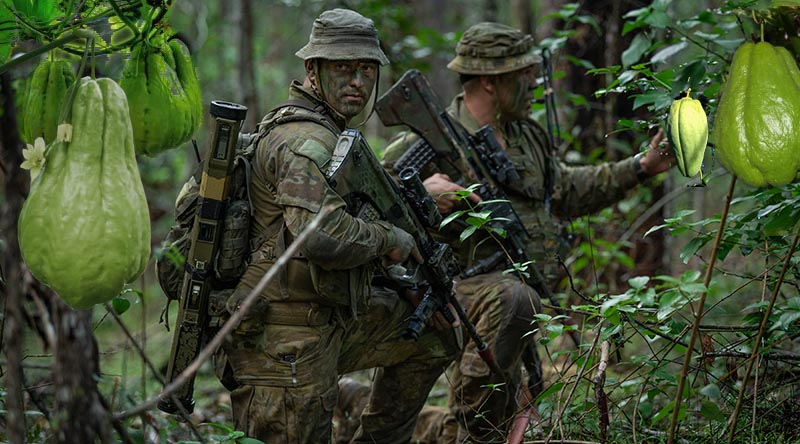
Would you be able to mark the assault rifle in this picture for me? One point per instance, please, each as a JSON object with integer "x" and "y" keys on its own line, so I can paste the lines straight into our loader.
{"x": 191, "y": 326}
{"x": 412, "y": 102}
{"x": 371, "y": 194}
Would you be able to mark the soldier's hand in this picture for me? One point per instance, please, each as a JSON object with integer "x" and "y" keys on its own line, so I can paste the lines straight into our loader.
{"x": 405, "y": 246}
{"x": 658, "y": 158}
{"x": 443, "y": 189}
{"x": 437, "y": 321}
{"x": 440, "y": 322}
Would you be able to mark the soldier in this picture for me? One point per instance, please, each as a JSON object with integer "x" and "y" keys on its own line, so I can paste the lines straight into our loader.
{"x": 320, "y": 319}
{"x": 498, "y": 66}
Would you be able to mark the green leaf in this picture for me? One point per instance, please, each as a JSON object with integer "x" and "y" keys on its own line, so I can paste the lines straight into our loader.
{"x": 711, "y": 411}
{"x": 453, "y": 216}
{"x": 633, "y": 53}
{"x": 665, "y": 53}
{"x": 469, "y": 231}
{"x": 639, "y": 282}
{"x": 120, "y": 305}
{"x": 654, "y": 229}
{"x": 38, "y": 11}
{"x": 549, "y": 391}
{"x": 9, "y": 30}
{"x": 667, "y": 411}
{"x": 692, "y": 247}
{"x": 690, "y": 276}
{"x": 711, "y": 391}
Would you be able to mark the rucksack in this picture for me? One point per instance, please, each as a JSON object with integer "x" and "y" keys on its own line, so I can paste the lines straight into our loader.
{"x": 236, "y": 245}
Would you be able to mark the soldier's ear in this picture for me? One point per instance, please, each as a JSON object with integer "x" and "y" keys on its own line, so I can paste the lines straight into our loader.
{"x": 310, "y": 71}
{"x": 488, "y": 83}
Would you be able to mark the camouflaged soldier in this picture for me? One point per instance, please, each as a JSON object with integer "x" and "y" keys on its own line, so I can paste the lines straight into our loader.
{"x": 319, "y": 319}
{"x": 498, "y": 66}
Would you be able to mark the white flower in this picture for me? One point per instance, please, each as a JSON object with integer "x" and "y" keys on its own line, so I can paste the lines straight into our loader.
{"x": 64, "y": 133}
{"x": 34, "y": 157}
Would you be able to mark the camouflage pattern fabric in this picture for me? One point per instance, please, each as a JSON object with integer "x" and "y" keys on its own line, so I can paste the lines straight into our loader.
{"x": 503, "y": 308}
{"x": 288, "y": 372}
{"x": 576, "y": 191}
{"x": 493, "y": 48}
{"x": 341, "y": 34}
{"x": 320, "y": 318}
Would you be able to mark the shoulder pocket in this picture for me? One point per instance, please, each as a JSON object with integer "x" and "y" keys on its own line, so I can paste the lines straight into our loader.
{"x": 314, "y": 150}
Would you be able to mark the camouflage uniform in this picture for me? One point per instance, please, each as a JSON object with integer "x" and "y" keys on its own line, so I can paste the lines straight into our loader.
{"x": 502, "y": 307}
{"x": 319, "y": 318}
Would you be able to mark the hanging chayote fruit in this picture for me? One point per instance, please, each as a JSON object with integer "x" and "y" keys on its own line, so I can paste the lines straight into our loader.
{"x": 84, "y": 230}
{"x": 41, "y": 103}
{"x": 687, "y": 130}
{"x": 757, "y": 126}
{"x": 164, "y": 96}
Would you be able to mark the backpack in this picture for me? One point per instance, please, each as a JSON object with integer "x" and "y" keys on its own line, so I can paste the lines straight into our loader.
{"x": 236, "y": 245}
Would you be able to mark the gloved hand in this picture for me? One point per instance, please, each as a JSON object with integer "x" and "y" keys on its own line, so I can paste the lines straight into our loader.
{"x": 405, "y": 245}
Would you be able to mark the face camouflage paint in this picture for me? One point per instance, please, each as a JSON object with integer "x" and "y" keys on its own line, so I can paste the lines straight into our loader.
{"x": 347, "y": 84}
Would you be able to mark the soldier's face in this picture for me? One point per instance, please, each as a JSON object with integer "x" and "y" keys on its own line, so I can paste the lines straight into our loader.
{"x": 515, "y": 93}
{"x": 347, "y": 84}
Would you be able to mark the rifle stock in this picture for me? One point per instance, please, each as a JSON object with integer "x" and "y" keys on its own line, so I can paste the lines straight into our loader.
{"x": 190, "y": 332}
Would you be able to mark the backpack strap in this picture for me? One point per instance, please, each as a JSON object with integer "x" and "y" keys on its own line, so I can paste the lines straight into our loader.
{"x": 294, "y": 110}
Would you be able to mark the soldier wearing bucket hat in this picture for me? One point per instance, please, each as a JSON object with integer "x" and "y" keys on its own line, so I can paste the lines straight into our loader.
{"x": 320, "y": 318}
{"x": 498, "y": 67}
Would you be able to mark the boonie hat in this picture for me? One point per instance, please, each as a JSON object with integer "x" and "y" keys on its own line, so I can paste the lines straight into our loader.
{"x": 493, "y": 48}
{"x": 342, "y": 34}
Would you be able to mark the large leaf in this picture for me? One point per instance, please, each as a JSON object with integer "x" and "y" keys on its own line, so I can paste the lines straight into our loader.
{"x": 39, "y": 12}
{"x": 7, "y": 30}
{"x": 633, "y": 54}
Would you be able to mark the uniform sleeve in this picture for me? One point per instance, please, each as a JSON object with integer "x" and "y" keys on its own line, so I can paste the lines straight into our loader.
{"x": 341, "y": 241}
{"x": 588, "y": 189}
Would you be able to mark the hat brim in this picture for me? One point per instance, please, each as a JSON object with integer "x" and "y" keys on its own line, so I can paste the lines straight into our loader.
{"x": 490, "y": 66}
{"x": 341, "y": 52}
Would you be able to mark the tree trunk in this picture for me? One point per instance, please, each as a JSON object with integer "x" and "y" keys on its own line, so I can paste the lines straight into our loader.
{"x": 15, "y": 187}
{"x": 75, "y": 374}
{"x": 247, "y": 67}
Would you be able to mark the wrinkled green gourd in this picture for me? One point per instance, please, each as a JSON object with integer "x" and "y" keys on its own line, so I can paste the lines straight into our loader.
{"x": 84, "y": 230}
{"x": 163, "y": 95}
{"x": 41, "y": 104}
{"x": 758, "y": 120}
{"x": 687, "y": 131}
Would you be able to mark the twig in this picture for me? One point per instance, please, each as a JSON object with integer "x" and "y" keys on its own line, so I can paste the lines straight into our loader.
{"x": 757, "y": 343}
{"x": 773, "y": 356}
{"x": 74, "y": 35}
{"x": 699, "y": 314}
{"x": 230, "y": 324}
{"x": 599, "y": 392}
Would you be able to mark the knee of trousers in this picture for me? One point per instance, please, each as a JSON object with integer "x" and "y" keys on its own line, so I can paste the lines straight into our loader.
{"x": 518, "y": 305}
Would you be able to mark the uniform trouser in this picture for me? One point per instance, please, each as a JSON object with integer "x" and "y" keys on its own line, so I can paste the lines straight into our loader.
{"x": 502, "y": 309}
{"x": 288, "y": 373}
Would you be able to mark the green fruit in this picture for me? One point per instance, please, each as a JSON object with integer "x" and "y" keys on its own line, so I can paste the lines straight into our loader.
{"x": 758, "y": 120}
{"x": 163, "y": 95}
{"x": 687, "y": 130}
{"x": 41, "y": 104}
{"x": 84, "y": 230}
